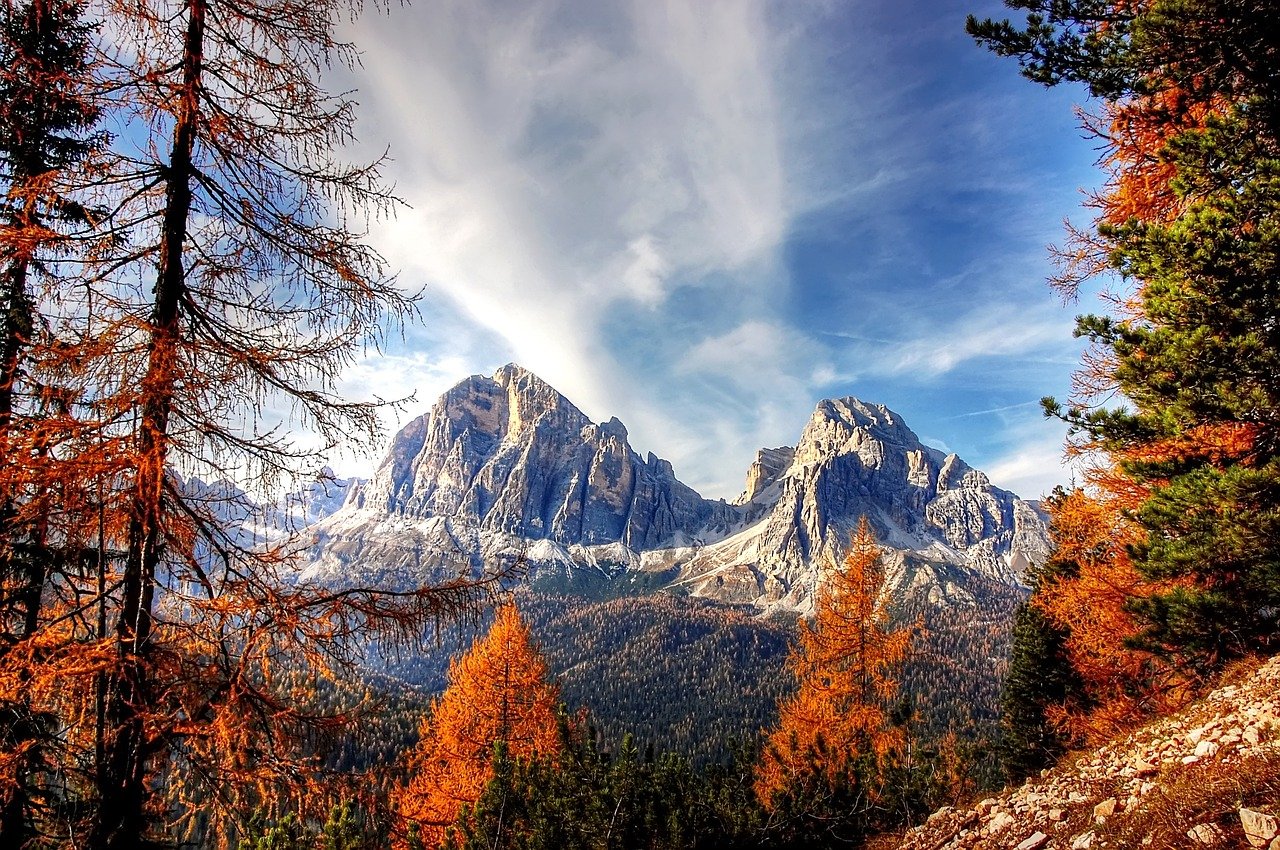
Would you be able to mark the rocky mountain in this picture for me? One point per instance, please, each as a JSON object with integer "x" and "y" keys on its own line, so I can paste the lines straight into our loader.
{"x": 510, "y": 455}
{"x": 938, "y": 517}
{"x": 1208, "y": 776}
{"x": 505, "y": 469}
{"x": 249, "y": 522}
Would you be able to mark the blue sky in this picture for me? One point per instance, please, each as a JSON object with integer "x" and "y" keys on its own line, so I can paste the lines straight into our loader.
{"x": 702, "y": 217}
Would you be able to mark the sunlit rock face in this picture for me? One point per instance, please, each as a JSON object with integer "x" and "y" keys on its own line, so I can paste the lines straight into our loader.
{"x": 504, "y": 468}
{"x": 509, "y": 454}
{"x": 856, "y": 459}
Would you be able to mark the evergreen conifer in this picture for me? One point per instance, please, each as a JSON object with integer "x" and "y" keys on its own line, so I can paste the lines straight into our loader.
{"x": 1195, "y": 354}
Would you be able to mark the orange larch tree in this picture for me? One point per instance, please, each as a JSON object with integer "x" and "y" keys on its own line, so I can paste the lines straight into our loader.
{"x": 227, "y": 279}
{"x": 846, "y": 664}
{"x": 499, "y": 691}
{"x": 1085, "y": 592}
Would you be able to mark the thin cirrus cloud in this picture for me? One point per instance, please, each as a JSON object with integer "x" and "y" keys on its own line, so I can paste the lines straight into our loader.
{"x": 625, "y": 197}
{"x": 986, "y": 334}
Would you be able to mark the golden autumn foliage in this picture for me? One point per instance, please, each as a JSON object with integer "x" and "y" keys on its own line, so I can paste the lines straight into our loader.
{"x": 1139, "y": 181}
{"x": 845, "y": 662}
{"x": 498, "y": 691}
{"x": 1087, "y": 595}
{"x": 1136, "y": 130}
{"x": 1088, "y": 602}
{"x": 155, "y": 306}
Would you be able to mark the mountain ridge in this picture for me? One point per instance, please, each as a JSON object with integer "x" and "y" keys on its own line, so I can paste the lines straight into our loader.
{"x": 505, "y": 469}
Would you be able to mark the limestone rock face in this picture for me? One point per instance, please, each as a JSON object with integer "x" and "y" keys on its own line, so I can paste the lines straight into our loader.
{"x": 504, "y": 467}
{"x": 509, "y": 454}
{"x": 500, "y": 462}
{"x": 856, "y": 459}
{"x": 764, "y": 473}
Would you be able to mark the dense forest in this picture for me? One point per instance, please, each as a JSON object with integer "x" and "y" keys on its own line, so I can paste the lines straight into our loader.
{"x": 700, "y": 678}
{"x": 182, "y": 256}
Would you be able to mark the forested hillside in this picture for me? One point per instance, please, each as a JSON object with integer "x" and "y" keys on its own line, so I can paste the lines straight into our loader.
{"x": 696, "y": 678}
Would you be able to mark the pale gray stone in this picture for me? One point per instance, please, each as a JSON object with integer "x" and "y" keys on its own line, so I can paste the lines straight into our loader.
{"x": 1205, "y": 833}
{"x": 1033, "y": 842}
{"x": 1259, "y": 828}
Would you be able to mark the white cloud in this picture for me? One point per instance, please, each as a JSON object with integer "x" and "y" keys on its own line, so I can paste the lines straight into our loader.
{"x": 1004, "y": 408}
{"x": 756, "y": 384}
{"x": 646, "y": 270}
{"x": 983, "y": 334}
{"x": 569, "y": 161}
{"x": 563, "y": 157}
{"x": 1031, "y": 470}
{"x": 759, "y": 356}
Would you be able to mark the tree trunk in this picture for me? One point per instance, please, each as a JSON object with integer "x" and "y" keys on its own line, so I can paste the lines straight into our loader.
{"x": 122, "y": 782}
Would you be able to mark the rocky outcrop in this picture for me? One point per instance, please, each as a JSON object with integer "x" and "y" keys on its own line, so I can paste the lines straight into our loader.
{"x": 510, "y": 455}
{"x": 764, "y": 473}
{"x": 504, "y": 469}
{"x": 1207, "y": 777}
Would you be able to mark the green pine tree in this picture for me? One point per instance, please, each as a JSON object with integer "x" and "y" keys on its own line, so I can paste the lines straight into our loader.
{"x": 1199, "y": 366}
{"x": 1039, "y": 676}
{"x": 586, "y": 799}
{"x": 344, "y": 830}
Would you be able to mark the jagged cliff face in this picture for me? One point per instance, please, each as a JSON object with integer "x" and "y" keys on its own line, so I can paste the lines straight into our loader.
{"x": 506, "y": 467}
{"x": 764, "y": 473}
{"x": 854, "y": 459}
{"x": 509, "y": 454}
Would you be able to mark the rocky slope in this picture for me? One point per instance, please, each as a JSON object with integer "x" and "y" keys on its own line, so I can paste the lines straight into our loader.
{"x": 1207, "y": 777}
{"x": 504, "y": 468}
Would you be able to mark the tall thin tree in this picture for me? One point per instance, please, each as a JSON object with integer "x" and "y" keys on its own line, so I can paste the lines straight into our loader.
{"x": 47, "y": 117}
{"x": 819, "y": 764}
{"x": 231, "y": 278}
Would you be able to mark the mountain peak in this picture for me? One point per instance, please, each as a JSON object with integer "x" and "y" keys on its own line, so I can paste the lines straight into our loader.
{"x": 514, "y": 373}
{"x": 853, "y": 412}
{"x": 501, "y": 462}
{"x": 509, "y": 455}
{"x": 765, "y": 471}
